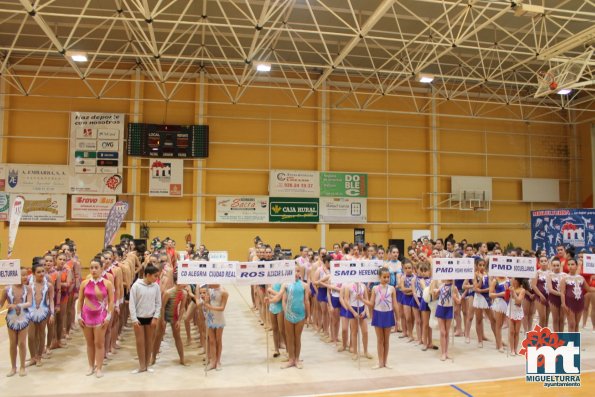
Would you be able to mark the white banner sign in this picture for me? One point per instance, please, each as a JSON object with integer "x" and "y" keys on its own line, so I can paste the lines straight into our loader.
{"x": 291, "y": 183}
{"x": 36, "y": 178}
{"x": 421, "y": 234}
{"x": 254, "y": 209}
{"x": 254, "y": 273}
{"x": 10, "y": 272}
{"x": 453, "y": 268}
{"x": 217, "y": 256}
{"x": 43, "y": 207}
{"x": 343, "y": 210}
{"x": 355, "y": 271}
{"x": 512, "y": 266}
{"x": 589, "y": 264}
{"x": 91, "y": 207}
{"x": 199, "y": 272}
{"x": 166, "y": 177}
{"x": 96, "y": 152}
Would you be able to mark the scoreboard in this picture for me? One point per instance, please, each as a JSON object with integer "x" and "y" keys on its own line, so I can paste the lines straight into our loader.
{"x": 163, "y": 141}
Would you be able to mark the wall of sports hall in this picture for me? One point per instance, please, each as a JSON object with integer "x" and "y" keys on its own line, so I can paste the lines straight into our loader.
{"x": 400, "y": 148}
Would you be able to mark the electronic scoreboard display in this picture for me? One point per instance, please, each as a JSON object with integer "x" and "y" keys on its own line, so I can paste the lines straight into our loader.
{"x": 175, "y": 141}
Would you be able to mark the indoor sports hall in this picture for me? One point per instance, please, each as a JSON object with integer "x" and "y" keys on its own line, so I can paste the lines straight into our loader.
{"x": 201, "y": 197}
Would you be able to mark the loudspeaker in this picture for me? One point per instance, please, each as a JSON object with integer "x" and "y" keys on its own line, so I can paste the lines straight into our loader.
{"x": 399, "y": 243}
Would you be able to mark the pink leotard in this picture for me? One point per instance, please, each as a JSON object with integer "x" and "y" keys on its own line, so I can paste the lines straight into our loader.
{"x": 94, "y": 310}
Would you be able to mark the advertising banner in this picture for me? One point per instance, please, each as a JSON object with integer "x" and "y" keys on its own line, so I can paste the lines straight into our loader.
{"x": 36, "y": 178}
{"x": 343, "y": 210}
{"x": 355, "y": 271}
{"x": 512, "y": 266}
{"x": 291, "y": 183}
{"x": 43, "y": 207}
{"x": 10, "y": 272}
{"x": 96, "y": 152}
{"x": 254, "y": 273}
{"x": 550, "y": 228}
{"x": 251, "y": 209}
{"x": 199, "y": 272}
{"x": 114, "y": 220}
{"x": 91, "y": 207}
{"x": 343, "y": 184}
{"x": 166, "y": 177}
{"x": 283, "y": 209}
{"x": 453, "y": 268}
{"x": 4, "y": 205}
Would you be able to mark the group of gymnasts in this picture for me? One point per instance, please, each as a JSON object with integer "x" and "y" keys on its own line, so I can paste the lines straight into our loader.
{"x": 405, "y": 298}
{"x": 130, "y": 286}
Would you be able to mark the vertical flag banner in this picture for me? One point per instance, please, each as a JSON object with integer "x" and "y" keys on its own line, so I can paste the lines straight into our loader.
{"x": 114, "y": 220}
{"x": 15, "y": 218}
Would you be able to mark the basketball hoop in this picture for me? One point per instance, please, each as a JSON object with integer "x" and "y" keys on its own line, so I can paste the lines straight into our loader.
{"x": 547, "y": 79}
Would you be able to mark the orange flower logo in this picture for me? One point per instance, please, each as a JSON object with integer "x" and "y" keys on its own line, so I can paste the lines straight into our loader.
{"x": 541, "y": 337}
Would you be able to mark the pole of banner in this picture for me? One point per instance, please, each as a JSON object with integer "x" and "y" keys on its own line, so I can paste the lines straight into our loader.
{"x": 452, "y": 331}
{"x": 266, "y": 335}
{"x": 207, "y": 349}
{"x": 358, "y": 329}
{"x": 509, "y": 310}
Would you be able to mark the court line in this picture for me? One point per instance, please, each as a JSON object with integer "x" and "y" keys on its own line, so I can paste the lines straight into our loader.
{"x": 421, "y": 386}
{"x": 461, "y": 390}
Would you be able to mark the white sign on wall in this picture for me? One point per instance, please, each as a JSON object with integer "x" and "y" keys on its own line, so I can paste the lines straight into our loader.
{"x": 43, "y": 207}
{"x": 36, "y": 178}
{"x": 343, "y": 210}
{"x": 245, "y": 209}
{"x": 166, "y": 177}
{"x": 91, "y": 207}
{"x": 96, "y": 152}
{"x": 292, "y": 183}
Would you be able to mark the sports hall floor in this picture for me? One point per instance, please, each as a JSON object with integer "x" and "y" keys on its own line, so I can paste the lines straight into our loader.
{"x": 473, "y": 372}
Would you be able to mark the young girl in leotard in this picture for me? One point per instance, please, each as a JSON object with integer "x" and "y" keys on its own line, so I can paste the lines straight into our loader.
{"x": 572, "y": 294}
{"x": 498, "y": 289}
{"x": 383, "y": 301}
{"x": 482, "y": 301}
{"x": 40, "y": 313}
{"x": 95, "y": 306}
{"x": 214, "y": 304}
{"x": 296, "y": 308}
{"x": 19, "y": 297}
{"x": 321, "y": 277}
{"x": 395, "y": 268}
{"x": 553, "y": 288}
{"x": 422, "y": 282}
{"x": 406, "y": 286}
{"x": 539, "y": 287}
{"x": 447, "y": 295}
{"x": 518, "y": 288}
{"x": 273, "y": 300}
{"x": 357, "y": 313}
{"x": 334, "y": 307}
{"x": 173, "y": 307}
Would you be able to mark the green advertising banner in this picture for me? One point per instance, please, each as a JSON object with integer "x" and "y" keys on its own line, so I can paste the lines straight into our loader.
{"x": 343, "y": 184}
{"x": 284, "y": 209}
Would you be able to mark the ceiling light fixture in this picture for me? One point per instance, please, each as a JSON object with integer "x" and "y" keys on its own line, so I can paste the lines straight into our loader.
{"x": 263, "y": 66}
{"x": 564, "y": 91}
{"x": 77, "y": 56}
{"x": 425, "y": 78}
